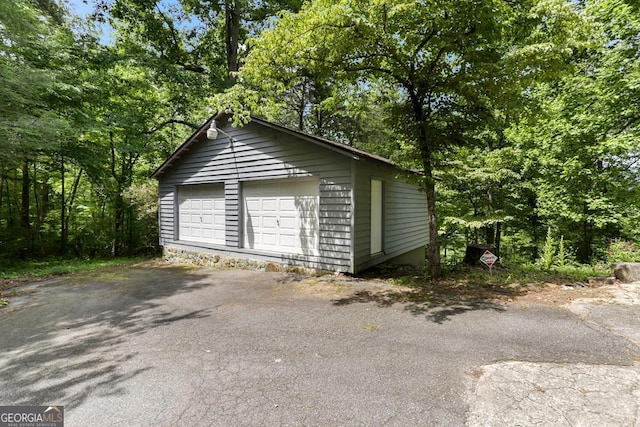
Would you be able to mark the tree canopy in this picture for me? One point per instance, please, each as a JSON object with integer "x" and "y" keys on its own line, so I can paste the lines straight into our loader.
{"x": 522, "y": 116}
{"x": 448, "y": 67}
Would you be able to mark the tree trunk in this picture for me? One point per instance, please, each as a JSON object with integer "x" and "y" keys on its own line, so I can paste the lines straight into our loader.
{"x": 25, "y": 201}
{"x": 585, "y": 253}
{"x": 41, "y": 199}
{"x": 534, "y": 231}
{"x": 301, "y": 106}
{"x": 117, "y": 225}
{"x": 2, "y": 180}
{"x": 72, "y": 199}
{"x": 63, "y": 210}
{"x": 490, "y": 231}
{"x": 489, "y": 234}
{"x": 433, "y": 250}
{"x": 130, "y": 236}
{"x": 498, "y": 237}
{"x": 421, "y": 119}
{"x": 232, "y": 35}
{"x": 12, "y": 196}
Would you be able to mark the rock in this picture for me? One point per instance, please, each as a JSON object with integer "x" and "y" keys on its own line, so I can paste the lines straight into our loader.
{"x": 577, "y": 285}
{"x": 601, "y": 281}
{"x": 627, "y": 272}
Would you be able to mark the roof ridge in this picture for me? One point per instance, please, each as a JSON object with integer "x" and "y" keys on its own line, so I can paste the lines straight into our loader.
{"x": 319, "y": 140}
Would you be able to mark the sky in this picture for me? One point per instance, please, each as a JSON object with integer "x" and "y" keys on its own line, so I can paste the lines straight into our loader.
{"x": 83, "y": 8}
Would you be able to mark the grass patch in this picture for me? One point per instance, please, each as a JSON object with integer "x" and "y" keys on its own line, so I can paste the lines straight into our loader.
{"x": 24, "y": 270}
{"x": 535, "y": 275}
{"x": 526, "y": 275}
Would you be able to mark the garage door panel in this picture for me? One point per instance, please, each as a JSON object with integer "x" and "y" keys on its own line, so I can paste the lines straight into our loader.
{"x": 269, "y": 205}
{"x": 269, "y": 222}
{"x": 270, "y": 239}
{"x": 206, "y": 219}
{"x": 269, "y": 230}
{"x": 201, "y": 213}
{"x": 281, "y": 216}
{"x": 288, "y": 223}
{"x": 185, "y": 231}
{"x": 293, "y": 232}
{"x": 253, "y": 205}
{"x": 287, "y": 205}
{"x": 288, "y": 241}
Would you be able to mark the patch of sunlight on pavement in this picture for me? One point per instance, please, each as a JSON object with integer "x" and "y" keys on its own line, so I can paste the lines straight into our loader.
{"x": 548, "y": 394}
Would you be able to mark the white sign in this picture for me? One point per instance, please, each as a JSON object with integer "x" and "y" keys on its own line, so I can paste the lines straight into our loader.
{"x": 488, "y": 259}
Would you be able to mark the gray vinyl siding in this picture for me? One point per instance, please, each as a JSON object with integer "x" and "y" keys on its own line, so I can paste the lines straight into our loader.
{"x": 406, "y": 226}
{"x": 260, "y": 153}
{"x": 166, "y": 209}
{"x": 404, "y": 217}
{"x": 232, "y": 224}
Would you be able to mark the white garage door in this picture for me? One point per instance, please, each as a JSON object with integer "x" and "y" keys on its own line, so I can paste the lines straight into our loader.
{"x": 281, "y": 216}
{"x": 201, "y": 213}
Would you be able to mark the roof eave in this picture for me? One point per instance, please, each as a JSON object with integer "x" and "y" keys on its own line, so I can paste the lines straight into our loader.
{"x": 337, "y": 147}
{"x": 195, "y": 136}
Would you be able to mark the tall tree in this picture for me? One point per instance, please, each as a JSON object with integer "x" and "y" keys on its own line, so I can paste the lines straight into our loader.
{"x": 39, "y": 110}
{"x": 582, "y": 149}
{"x": 447, "y": 61}
{"x": 206, "y": 37}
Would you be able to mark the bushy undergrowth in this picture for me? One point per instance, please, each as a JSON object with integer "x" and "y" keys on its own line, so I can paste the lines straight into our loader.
{"x": 506, "y": 273}
{"x": 620, "y": 250}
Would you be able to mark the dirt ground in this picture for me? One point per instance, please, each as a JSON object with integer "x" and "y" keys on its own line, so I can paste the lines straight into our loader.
{"x": 402, "y": 284}
{"x": 387, "y": 289}
{"x": 558, "y": 295}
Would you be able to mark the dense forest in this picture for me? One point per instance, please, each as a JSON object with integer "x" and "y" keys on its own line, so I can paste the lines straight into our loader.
{"x": 523, "y": 116}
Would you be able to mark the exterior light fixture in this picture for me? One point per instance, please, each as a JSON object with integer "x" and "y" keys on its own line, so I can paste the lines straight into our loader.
{"x": 212, "y": 132}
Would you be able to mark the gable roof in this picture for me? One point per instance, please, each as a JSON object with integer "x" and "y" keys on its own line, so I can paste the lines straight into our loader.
{"x": 338, "y": 147}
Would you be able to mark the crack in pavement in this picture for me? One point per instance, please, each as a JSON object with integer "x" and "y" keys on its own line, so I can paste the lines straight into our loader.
{"x": 559, "y": 394}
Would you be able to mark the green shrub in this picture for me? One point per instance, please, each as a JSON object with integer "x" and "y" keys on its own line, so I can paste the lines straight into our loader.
{"x": 562, "y": 255}
{"x": 548, "y": 252}
{"x": 622, "y": 251}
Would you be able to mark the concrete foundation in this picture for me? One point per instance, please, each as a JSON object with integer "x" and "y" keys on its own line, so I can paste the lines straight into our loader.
{"x": 415, "y": 257}
{"x": 211, "y": 259}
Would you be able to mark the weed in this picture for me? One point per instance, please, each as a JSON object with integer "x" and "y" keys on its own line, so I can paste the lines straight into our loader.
{"x": 369, "y": 327}
{"x": 562, "y": 256}
{"x": 548, "y": 251}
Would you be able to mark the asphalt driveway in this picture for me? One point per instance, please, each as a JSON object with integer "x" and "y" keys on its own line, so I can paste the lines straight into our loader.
{"x": 167, "y": 345}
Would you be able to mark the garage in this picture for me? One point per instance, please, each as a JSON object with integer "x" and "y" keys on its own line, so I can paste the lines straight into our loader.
{"x": 290, "y": 199}
{"x": 201, "y": 214}
{"x": 281, "y": 216}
